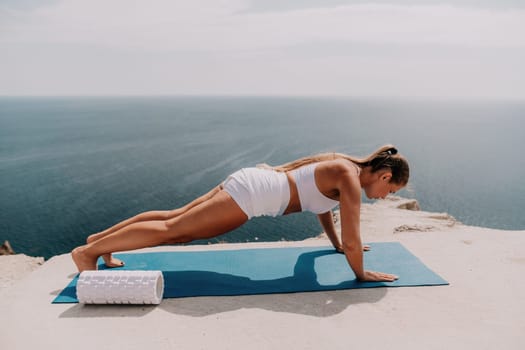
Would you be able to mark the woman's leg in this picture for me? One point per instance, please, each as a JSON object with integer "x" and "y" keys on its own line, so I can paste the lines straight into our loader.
{"x": 109, "y": 260}
{"x": 212, "y": 217}
{"x": 146, "y": 216}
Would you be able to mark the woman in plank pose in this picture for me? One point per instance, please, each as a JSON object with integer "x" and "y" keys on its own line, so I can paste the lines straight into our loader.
{"x": 316, "y": 184}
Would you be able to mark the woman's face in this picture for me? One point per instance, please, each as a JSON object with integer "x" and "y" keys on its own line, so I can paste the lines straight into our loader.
{"x": 381, "y": 187}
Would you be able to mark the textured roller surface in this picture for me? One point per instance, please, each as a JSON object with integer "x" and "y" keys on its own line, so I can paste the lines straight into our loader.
{"x": 120, "y": 287}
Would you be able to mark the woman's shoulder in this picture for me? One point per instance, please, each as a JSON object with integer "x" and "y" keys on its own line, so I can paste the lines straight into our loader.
{"x": 339, "y": 167}
{"x": 338, "y": 175}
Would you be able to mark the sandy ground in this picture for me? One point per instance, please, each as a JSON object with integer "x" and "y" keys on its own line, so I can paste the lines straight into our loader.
{"x": 482, "y": 308}
{"x": 14, "y": 268}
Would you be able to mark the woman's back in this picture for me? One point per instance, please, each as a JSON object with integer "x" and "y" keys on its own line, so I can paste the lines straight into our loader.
{"x": 310, "y": 197}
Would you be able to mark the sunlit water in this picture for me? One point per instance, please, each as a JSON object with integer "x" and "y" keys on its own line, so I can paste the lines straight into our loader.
{"x": 73, "y": 166}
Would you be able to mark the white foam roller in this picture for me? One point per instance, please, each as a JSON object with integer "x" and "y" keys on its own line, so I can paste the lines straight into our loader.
{"x": 120, "y": 287}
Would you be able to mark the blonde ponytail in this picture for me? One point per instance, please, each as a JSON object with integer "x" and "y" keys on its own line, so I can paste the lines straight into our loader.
{"x": 384, "y": 157}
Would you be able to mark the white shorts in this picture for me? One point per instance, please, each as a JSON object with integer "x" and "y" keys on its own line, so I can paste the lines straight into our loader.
{"x": 259, "y": 191}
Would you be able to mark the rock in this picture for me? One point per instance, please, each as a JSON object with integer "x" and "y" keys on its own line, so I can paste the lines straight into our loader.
{"x": 414, "y": 228}
{"x": 5, "y": 249}
{"x": 449, "y": 220}
{"x": 410, "y": 204}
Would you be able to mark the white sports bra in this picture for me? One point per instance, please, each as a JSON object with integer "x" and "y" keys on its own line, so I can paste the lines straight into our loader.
{"x": 309, "y": 195}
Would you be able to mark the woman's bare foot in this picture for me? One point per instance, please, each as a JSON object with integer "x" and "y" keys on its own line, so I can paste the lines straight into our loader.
{"x": 109, "y": 260}
{"x": 82, "y": 260}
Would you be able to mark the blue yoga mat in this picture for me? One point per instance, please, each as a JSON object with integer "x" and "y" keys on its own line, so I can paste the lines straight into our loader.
{"x": 270, "y": 270}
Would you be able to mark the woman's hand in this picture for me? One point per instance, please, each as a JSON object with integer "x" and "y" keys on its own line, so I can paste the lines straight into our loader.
{"x": 373, "y": 276}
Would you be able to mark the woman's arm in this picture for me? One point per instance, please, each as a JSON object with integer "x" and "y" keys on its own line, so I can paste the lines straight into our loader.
{"x": 350, "y": 206}
{"x": 327, "y": 222}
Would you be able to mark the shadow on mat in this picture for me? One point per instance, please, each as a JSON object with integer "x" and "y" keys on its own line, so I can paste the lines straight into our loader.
{"x": 209, "y": 283}
{"x": 189, "y": 294}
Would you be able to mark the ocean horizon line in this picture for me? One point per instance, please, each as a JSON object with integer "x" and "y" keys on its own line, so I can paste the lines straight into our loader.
{"x": 488, "y": 99}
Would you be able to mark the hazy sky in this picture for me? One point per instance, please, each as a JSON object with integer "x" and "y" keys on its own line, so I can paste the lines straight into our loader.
{"x": 449, "y": 48}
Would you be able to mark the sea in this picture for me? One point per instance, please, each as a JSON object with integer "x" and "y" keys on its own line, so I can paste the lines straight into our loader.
{"x": 73, "y": 166}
